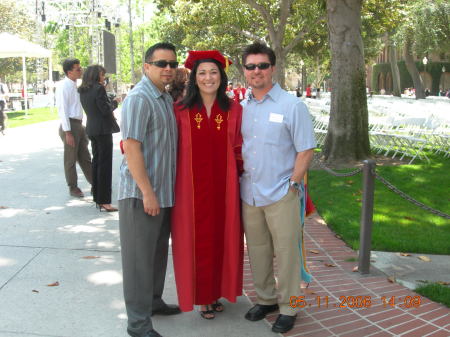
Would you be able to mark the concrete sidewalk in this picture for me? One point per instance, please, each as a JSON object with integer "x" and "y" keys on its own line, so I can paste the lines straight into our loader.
{"x": 47, "y": 237}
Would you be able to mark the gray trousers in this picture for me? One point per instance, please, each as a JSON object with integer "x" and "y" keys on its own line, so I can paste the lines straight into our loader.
{"x": 144, "y": 241}
{"x": 79, "y": 153}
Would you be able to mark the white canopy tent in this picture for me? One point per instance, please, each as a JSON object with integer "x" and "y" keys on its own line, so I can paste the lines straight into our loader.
{"x": 14, "y": 46}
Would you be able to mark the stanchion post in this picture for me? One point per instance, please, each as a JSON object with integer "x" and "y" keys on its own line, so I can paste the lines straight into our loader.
{"x": 365, "y": 235}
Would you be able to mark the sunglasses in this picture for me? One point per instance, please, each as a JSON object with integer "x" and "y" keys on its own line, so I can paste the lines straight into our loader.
{"x": 261, "y": 66}
{"x": 164, "y": 63}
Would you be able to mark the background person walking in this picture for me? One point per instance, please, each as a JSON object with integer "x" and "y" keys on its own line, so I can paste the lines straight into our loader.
{"x": 100, "y": 126}
{"x": 3, "y": 99}
{"x": 72, "y": 131}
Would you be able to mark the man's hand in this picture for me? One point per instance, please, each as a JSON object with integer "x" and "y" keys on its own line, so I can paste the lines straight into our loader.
{"x": 69, "y": 139}
{"x": 151, "y": 204}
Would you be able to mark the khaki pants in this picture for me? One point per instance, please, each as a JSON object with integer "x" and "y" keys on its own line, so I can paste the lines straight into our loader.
{"x": 79, "y": 153}
{"x": 274, "y": 230}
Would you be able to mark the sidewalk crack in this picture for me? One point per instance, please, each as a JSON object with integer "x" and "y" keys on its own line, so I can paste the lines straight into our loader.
{"x": 23, "y": 267}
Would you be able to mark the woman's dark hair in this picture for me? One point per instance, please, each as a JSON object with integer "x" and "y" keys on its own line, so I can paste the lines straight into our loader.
{"x": 91, "y": 76}
{"x": 176, "y": 88}
{"x": 193, "y": 96}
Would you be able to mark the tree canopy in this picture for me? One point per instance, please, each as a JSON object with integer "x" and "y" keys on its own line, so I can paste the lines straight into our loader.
{"x": 15, "y": 20}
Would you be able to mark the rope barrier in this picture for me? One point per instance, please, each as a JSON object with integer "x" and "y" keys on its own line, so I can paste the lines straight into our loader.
{"x": 389, "y": 185}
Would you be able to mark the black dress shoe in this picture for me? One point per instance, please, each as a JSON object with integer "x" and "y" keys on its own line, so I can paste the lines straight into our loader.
{"x": 284, "y": 323}
{"x": 260, "y": 311}
{"x": 168, "y": 309}
{"x": 153, "y": 333}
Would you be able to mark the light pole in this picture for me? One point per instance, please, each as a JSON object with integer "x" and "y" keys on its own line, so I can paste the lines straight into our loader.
{"x": 302, "y": 64}
{"x": 425, "y": 61}
{"x": 443, "y": 81}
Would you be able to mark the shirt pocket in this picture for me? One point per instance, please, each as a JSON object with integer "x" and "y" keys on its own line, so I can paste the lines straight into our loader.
{"x": 273, "y": 133}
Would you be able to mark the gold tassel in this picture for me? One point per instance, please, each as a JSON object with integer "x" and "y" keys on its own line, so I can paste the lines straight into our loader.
{"x": 226, "y": 64}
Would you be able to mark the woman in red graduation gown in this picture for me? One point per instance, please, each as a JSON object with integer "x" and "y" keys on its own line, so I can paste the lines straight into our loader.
{"x": 207, "y": 236}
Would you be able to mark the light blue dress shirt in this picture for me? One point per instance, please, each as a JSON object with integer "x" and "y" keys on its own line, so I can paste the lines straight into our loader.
{"x": 274, "y": 129}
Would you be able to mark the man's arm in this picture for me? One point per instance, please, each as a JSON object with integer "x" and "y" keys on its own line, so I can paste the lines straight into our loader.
{"x": 62, "y": 96}
{"x": 136, "y": 165}
{"x": 301, "y": 165}
{"x": 302, "y": 133}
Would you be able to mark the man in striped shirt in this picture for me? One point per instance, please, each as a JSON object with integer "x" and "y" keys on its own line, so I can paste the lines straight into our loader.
{"x": 146, "y": 190}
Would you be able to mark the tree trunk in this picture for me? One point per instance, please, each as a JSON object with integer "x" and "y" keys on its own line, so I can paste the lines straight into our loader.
{"x": 412, "y": 69}
{"x": 133, "y": 75}
{"x": 280, "y": 66}
{"x": 238, "y": 65}
{"x": 394, "y": 69}
{"x": 348, "y": 136}
{"x": 304, "y": 79}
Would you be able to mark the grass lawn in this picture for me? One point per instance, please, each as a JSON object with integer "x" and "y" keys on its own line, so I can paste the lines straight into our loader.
{"x": 435, "y": 292}
{"x": 18, "y": 118}
{"x": 398, "y": 225}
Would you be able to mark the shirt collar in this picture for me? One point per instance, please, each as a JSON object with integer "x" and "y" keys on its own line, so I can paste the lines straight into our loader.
{"x": 71, "y": 81}
{"x": 154, "y": 91}
{"x": 273, "y": 93}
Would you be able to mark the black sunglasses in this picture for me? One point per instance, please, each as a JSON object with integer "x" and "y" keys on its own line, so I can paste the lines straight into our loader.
{"x": 262, "y": 66}
{"x": 164, "y": 63}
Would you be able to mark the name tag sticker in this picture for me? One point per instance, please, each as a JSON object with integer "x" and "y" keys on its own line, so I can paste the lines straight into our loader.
{"x": 277, "y": 118}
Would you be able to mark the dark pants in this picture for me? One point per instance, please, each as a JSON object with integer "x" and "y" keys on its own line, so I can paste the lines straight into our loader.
{"x": 79, "y": 153}
{"x": 2, "y": 116}
{"x": 144, "y": 243}
{"x": 102, "y": 152}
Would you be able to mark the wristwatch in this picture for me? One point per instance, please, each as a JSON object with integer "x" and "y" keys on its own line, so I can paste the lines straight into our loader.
{"x": 294, "y": 184}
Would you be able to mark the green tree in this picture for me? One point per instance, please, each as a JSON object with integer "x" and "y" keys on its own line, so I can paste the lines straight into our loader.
{"x": 348, "y": 136}
{"x": 232, "y": 24}
{"x": 379, "y": 23}
{"x": 14, "y": 19}
{"x": 426, "y": 28}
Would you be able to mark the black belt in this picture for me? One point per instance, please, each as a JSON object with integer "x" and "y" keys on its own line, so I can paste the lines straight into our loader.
{"x": 75, "y": 120}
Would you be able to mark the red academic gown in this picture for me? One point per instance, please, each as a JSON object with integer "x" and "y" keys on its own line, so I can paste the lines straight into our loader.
{"x": 207, "y": 235}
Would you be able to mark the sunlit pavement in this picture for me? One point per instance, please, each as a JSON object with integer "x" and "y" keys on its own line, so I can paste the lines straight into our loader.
{"x": 60, "y": 267}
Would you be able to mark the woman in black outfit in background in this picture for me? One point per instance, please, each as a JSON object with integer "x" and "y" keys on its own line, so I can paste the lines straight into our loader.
{"x": 100, "y": 126}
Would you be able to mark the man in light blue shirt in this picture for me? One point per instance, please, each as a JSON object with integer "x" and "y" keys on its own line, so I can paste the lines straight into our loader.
{"x": 278, "y": 147}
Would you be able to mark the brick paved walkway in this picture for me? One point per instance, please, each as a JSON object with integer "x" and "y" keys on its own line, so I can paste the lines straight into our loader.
{"x": 375, "y": 319}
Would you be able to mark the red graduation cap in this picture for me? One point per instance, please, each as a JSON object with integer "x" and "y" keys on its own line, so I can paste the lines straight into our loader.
{"x": 195, "y": 55}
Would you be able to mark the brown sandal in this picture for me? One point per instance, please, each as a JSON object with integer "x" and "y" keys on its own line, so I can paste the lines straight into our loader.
{"x": 208, "y": 312}
{"x": 217, "y": 306}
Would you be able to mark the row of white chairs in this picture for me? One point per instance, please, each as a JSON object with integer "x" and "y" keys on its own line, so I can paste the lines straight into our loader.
{"x": 404, "y": 136}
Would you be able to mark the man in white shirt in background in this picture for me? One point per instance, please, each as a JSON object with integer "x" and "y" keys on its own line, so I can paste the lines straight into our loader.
{"x": 72, "y": 131}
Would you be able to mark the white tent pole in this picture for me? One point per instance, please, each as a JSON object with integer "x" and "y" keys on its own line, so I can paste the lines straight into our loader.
{"x": 25, "y": 91}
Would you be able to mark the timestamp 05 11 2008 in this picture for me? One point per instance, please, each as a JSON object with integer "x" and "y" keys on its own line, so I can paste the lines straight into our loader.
{"x": 356, "y": 302}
